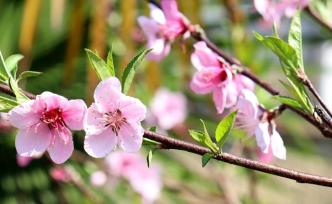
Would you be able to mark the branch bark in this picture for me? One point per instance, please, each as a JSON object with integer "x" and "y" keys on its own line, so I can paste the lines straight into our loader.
{"x": 170, "y": 143}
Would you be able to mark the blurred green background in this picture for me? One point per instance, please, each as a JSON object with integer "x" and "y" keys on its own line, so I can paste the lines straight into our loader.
{"x": 52, "y": 35}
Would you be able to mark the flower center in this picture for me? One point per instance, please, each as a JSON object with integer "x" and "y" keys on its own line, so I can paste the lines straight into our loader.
{"x": 115, "y": 120}
{"x": 52, "y": 118}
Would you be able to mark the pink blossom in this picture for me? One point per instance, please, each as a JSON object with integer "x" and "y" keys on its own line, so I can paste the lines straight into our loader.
{"x": 114, "y": 119}
{"x": 273, "y": 11}
{"x": 98, "y": 178}
{"x": 60, "y": 174}
{"x": 122, "y": 164}
{"x": 45, "y": 123}
{"x": 250, "y": 118}
{"x": 169, "y": 108}
{"x": 145, "y": 181}
{"x": 265, "y": 157}
{"x": 23, "y": 161}
{"x": 216, "y": 76}
{"x": 162, "y": 28}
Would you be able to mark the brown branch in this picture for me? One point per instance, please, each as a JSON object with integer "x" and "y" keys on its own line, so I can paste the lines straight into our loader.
{"x": 170, "y": 143}
{"x": 312, "y": 89}
{"x": 315, "y": 16}
{"x": 6, "y": 89}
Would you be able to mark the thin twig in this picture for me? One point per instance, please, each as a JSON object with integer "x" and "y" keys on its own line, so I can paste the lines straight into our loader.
{"x": 312, "y": 89}
{"x": 300, "y": 177}
{"x": 315, "y": 16}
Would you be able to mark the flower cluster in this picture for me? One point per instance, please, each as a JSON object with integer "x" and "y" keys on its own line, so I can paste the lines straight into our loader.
{"x": 216, "y": 76}
{"x": 163, "y": 27}
{"x": 230, "y": 90}
{"x": 45, "y": 123}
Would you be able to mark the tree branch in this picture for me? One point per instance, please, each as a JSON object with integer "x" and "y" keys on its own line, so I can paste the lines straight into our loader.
{"x": 170, "y": 143}
{"x": 312, "y": 89}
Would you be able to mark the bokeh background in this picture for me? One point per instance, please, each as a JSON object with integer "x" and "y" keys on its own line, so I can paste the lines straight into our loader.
{"x": 52, "y": 35}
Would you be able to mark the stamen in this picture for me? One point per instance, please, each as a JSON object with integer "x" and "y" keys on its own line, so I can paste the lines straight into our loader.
{"x": 114, "y": 120}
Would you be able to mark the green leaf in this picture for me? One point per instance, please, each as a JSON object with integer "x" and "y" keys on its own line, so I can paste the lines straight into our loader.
{"x": 275, "y": 29}
{"x": 295, "y": 38}
{"x": 204, "y": 128}
{"x": 20, "y": 97}
{"x": 6, "y": 104}
{"x": 149, "y": 158}
{"x": 129, "y": 72}
{"x": 198, "y": 136}
{"x": 4, "y": 75}
{"x": 224, "y": 128}
{"x": 28, "y": 74}
{"x": 204, "y": 139}
{"x": 290, "y": 65}
{"x": 12, "y": 63}
{"x": 99, "y": 65}
{"x": 110, "y": 63}
{"x": 147, "y": 141}
{"x": 206, "y": 158}
{"x": 283, "y": 50}
{"x": 288, "y": 101}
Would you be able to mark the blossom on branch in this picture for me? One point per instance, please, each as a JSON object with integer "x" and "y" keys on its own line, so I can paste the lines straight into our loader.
{"x": 162, "y": 28}
{"x": 44, "y": 125}
{"x": 216, "y": 76}
{"x": 114, "y": 119}
{"x": 251, "y": 118}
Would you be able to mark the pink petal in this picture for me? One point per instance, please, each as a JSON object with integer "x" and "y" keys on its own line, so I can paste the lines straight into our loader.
{"x": 132, "y": 109}
{"x": 52, "y": 100}
{"x": 203, "y": 57}
{"x": 131, "y": 137}
{"x": 205, "y": 80}
{"x": 261, "y": 6}
{"x": 73, "y": 114}
{"x": 219, "y": 99}
{"x": 149, "y": 27}
{"x": 263, "y": 136}
{"x": 101, "y": 144}
{"x": 157, "y": 14}
{"x": 23, "y": 116}
{"x": 60, "y": 150}
{"x": 170, "y": 108}
{"x": 170, "y": 9}
{"x": 277, "y": 145}
{"x": 231, "y": 95}
{"x": 160, "y": 49}
{"x": 33, "y": 140}
{"x": 93, "y": 121}
{"x": 107, "y": 93}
